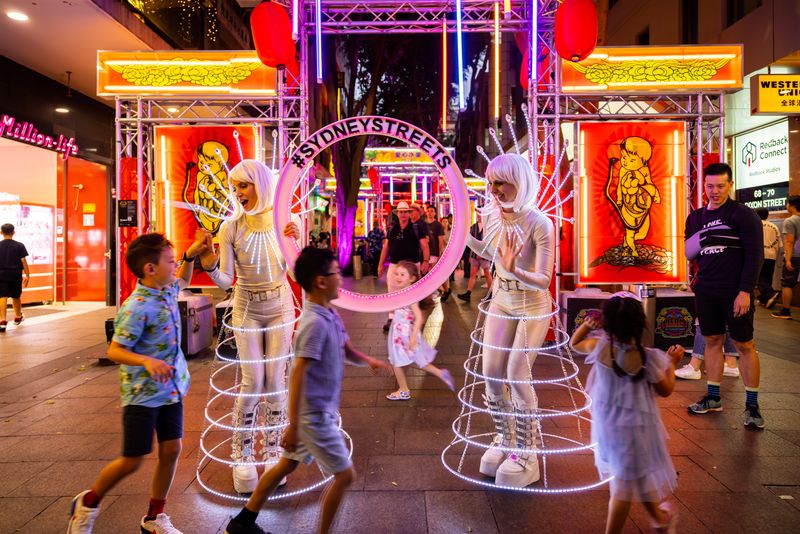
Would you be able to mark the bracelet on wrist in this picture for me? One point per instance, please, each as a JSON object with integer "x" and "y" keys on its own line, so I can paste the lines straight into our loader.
{"x": 187, "y": 258}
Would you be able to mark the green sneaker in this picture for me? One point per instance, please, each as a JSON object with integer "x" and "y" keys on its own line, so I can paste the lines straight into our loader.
{"x": 752, "y": 417}
{"x": 706, "y": 404}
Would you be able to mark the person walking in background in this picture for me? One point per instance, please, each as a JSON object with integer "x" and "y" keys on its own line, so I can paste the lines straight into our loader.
{"x": 727, "y": 240}
{"x": 626, "y": 424}
{"x": 447, "y": 224}
{"x": 772, "y": 245}
{"x": 691, "y": 371}
{"x": 791, "y": 256}
{"x": 477, "y": 263}
{"x": 14, "y": 274}
{"x": 375, "y": 239}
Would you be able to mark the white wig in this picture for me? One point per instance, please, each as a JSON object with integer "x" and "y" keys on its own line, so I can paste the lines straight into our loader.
{"x": 254, "y": 172}
{"x": 515, "y": 170}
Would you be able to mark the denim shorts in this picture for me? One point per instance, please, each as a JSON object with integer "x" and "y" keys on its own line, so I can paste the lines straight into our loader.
{"x": 699, "y": 347}
{"x": 321, "y": 439}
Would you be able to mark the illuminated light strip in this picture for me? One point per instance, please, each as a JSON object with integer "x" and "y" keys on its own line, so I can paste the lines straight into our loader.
{"x": 398, "y": 163}
{"x": 444, "y": 74}
{"x": 391, "y": 190}
{"x": 424, "y": 189}
{"x": 534, "y": 50}
{"x": 668, "y": 57}
{"x": 216, "y": 423}
{"x": 318, "y": 37}
{"x": 184, "y": 89}
{"x": 526, "y": 489}
{"x": 480, "y": 343}
{"x": 295, "y": 20}
{"x": 262, "y": 329}
{"x": 543, "y": 413}
{"x": 167, "y": 192}
{"x": 188, "y": 63}
{"x": 674, "y": 224}
{"x": 566, "y": 378}
{"x": 584, "y": 207}
{"x": 229, "y": 391}
{"x": 540, "y": 449}
{"x": 462, "y": 101}
{"x": 238, "y": 144}
{"x": 497, "y": 60}
{"x": 414, "y": 189}
{"x": 673, "y": 82}
{"x": 506, "y": 6}
{"x": 483, "y": 307}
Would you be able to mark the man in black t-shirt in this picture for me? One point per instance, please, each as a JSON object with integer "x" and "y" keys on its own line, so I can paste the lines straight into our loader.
{"x": 12, "y": 266}
{"x": 727, "y": 240}
{"x": 436, "y": 242}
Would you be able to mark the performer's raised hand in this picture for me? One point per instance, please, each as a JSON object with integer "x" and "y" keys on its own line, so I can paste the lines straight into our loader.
{"x": 508, "y": 251}
{"x": 200, "y": 245}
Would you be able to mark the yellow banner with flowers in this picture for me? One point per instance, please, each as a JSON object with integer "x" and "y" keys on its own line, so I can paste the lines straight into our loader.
{"x": 655, "y": 69}
{"x": 183, "y": 72}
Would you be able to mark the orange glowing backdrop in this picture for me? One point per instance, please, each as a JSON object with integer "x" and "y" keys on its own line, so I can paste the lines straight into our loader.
{"x": 191, "y": 170}
{"x": 631, "y": 202}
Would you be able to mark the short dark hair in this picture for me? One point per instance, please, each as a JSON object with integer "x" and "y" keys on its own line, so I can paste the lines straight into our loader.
{"x": 719, "y": 168}
{"x": 145, "y": 249}
{"x": 7, "y": 229}
{"x": 312, "y": 262}
{"x": 763, "y": 213}
{"x": 794, "y": 201}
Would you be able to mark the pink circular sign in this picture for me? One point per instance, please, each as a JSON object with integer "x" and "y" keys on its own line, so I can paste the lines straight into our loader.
{"x": 303, "y": 156}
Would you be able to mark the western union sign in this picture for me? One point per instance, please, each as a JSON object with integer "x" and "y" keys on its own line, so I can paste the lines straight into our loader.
{"x": 775, "y": 94}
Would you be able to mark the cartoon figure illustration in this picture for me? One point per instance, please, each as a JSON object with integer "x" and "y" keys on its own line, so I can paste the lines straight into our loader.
{"x": 205, "y": 185}
{"x": 636, "y": 191}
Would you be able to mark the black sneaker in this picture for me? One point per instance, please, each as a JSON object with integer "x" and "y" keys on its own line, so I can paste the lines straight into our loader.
{"x": 3, "y": 326}
{"x": 446, "y": 295}
{"x": 705, "y": 405}
{"x": 752, "y": 417}
{"x": 465, "y": 296}
{"x": 387, "y": 326}
{"x": 783, "y": 314}
{"x": 234, "y": 527}
{"x": 771, "y": 301}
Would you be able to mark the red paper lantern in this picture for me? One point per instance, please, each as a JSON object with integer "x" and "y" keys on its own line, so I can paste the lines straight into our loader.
{"x": 272, "y": 35}
{"x": 576, "y": 29}
{"x": 374, "y": 179}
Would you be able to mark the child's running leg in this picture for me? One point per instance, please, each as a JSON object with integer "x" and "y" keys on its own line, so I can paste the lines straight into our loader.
{"x": 617, "y": 515}
{"x": 442, "y": 374}
{"x": 332, "y": 497}
{"x": 268, "y": 482}
{"x": 168, "y": 454}
{"x": 400, "y": 375}
{"x": 114, "y": 472}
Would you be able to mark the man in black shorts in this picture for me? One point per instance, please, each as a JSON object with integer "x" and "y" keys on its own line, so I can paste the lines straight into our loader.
{"x": 727, "y": 240}
{"x": 12, "y": 266}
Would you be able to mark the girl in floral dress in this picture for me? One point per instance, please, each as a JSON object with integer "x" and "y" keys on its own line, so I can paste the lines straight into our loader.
{"x": 406, "y": 345}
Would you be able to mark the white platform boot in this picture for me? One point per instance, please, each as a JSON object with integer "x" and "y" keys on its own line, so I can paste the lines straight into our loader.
{"x": 271, "y": 439}
{"x": 504, "y": 437}
{"x": 521, "y": 468}
{"x": 245, "y": 474}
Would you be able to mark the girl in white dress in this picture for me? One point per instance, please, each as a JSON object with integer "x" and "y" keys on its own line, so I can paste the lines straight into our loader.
{"x": 626, "y": 424}
{"x": 406, "y": 344}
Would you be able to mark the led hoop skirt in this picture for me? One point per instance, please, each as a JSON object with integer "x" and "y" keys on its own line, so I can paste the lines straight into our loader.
{"x": 214, "y": 453}
{"x": 561, "y": 420}
{"x": 304, "y": 155}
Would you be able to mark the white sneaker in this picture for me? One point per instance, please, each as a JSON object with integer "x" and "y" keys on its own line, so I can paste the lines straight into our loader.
{"x": 729, "y": 371}
{"x": 687, "y": 372}
{"x": 245, "y": 478}
{"x": 160, "y": 525}
{"x": 82, "y": 517}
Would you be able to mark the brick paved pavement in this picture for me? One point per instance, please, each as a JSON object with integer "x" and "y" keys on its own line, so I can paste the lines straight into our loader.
{"x": 59, "y": 423}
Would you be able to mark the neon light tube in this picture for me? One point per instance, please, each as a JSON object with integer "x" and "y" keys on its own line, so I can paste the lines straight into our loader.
{"x": 534, "y": 51}
{"x": 444, "y": 75}
{"x": 674, "y": 224}
{"x": 318, "y": 27}
{"x": 295, "y": 19}
{"x": 424, "y": 189}
{"x": 506, "y": 7}
{"x": 391, "y": 191}
{"x": 167, "y": 189}
{"x": 496, "y": 61}
{"x": 462, "y": 101}
{"x": 414, "y": 189}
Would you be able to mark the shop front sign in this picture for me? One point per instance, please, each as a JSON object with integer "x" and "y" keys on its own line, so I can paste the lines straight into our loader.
{"x": 26, "y": 132}
{"x": 761, "y": 170}
{"x": 775, "y": 94}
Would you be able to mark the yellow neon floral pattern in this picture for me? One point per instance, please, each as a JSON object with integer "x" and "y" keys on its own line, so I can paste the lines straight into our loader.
{"x": 655, "y": 70}
{"x": 201, "y": 74}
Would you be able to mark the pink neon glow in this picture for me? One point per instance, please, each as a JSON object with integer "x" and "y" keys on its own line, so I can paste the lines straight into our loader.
{"x": 27, "y": 133}
{"x": 298, "y": 164}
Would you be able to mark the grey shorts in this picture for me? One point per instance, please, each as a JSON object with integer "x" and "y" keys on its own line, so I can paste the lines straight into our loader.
{"x": 320, "y": 438}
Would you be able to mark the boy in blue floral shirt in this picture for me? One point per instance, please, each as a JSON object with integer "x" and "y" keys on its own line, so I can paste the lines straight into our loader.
{"x": 153, "y": 379}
